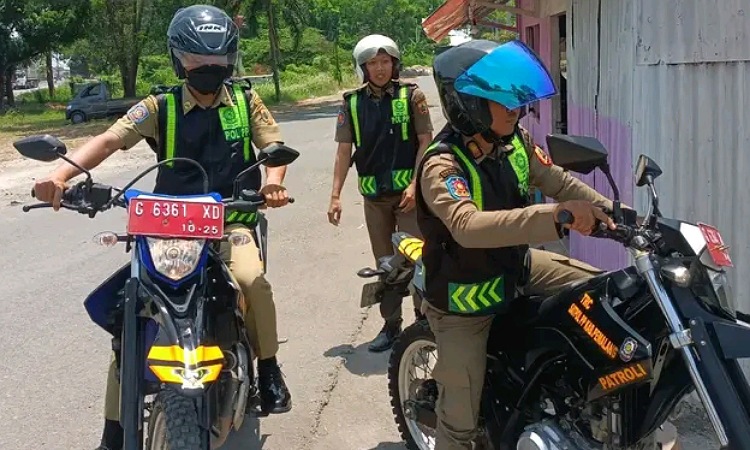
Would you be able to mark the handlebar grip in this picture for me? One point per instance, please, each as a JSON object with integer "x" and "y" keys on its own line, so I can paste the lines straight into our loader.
{"x": 565, "y": 217}
{"x": 291, "y": 199}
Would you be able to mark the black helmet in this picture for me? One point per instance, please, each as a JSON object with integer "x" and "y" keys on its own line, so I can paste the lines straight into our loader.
{"x": 204, "y": 34}
{"x": 475, "y": 72}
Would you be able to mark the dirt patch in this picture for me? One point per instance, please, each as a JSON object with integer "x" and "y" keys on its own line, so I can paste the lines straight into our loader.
{"x": 72, "y": 135}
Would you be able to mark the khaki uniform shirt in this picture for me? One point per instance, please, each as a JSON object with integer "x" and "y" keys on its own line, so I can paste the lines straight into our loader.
{"x": 142, "y": 120}
{"x": 491, "y": 229}
{"x": 420, "y": 112}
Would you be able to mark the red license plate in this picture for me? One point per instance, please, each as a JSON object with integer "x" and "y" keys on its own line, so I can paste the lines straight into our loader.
{"x": 175, "y": 218}
{"x": 716, "y": 247}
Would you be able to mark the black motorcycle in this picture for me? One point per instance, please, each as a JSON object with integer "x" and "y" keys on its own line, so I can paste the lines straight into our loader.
{"x": 603, "y": 363}
{"x": 184, "y": 361}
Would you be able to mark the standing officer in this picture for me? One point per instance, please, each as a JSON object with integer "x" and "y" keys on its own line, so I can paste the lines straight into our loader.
{"x": 473, "y": 209}
{"x": 388, "y": 122}
{"x": 213, "y": 122}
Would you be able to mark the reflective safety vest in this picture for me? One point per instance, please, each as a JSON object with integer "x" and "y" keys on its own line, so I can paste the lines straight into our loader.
{"x": 219, "y": 139}
{"x": 385, "y": 140}
{"x": 474, "y": 281}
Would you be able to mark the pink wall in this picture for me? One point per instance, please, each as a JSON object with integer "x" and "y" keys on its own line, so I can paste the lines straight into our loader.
{"x": 582, "y": 120}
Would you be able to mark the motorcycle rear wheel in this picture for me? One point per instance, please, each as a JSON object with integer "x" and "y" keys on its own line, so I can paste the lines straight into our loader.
{"x": 415, "y": 339}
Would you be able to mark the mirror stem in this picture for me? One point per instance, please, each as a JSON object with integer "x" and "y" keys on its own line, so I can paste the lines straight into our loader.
{"x": 79, "y": 167}
{"x": 236, "y": 189}
{"x": 616, "y": 206}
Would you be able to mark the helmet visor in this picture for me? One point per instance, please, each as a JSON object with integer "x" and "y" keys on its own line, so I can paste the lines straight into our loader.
{"x": 192, "y": 60}
{"x": 511, "y": 75}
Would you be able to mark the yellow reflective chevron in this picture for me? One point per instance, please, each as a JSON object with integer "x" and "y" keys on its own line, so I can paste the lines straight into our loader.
{"x": 367, "y": 185}
{"x": 402, "y": 178}
{"x": 473, "y": 298}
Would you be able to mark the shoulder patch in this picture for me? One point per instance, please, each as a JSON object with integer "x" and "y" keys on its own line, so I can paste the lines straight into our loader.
{"x": 457, "y": 187}
{"x": 138, "y": 113}
{"x": 341, "y": 119}
{"x": 542, "y": 156}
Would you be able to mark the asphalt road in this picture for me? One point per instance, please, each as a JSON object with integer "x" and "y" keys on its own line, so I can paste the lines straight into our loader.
{"x": 53, "y": 360}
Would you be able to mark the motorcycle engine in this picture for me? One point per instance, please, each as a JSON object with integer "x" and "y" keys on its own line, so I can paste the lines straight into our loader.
{"x": 551, "y": 435}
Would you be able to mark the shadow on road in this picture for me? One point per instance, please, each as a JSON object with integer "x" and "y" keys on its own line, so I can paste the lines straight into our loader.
{"x": 359, "y": 361}
{"x": 248, "y": 438}
{"x": 295, "y": 113}
{"x": 390, "y": 446}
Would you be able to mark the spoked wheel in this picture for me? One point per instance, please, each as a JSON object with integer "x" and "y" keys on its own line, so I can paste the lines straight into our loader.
{"x": 413, "y": 391}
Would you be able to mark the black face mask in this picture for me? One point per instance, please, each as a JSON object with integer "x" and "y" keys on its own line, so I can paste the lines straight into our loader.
{"x": 207, "y": 79}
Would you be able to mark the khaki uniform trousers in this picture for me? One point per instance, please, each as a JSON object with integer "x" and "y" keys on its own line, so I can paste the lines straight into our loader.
{"x": 260, "y": 318}
{"x": 462, "y": 350}
{"x": 383, "y": 218}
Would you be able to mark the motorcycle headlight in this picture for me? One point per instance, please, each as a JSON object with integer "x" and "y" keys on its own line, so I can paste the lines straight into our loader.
{"x": 175, "y": 258}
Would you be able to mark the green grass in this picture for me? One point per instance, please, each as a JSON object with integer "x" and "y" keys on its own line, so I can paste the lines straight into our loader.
{"x": 36, "y": 112}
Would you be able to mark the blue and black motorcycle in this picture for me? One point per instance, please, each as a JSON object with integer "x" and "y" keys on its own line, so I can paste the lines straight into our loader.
{"x": 184, "y": 361}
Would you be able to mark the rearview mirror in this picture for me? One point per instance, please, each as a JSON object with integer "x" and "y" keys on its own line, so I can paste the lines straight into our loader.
{"x": 580, "y": 154}
{"x": 44, "y": 148}
{"x": 646, "y": 171}
{"x": 277, "y": 155}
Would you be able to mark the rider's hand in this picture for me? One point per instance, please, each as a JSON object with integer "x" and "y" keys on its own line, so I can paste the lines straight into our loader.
{"x": 276, "y": 195}
{"x": 585, "y": 215}
{"x": 408, "y": 200}
{"x": 334, "y": 211}
{"x": 50, "y": 190}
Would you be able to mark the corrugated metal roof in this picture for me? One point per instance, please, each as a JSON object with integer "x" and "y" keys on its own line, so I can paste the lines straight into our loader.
{"x": 454, "y": 14}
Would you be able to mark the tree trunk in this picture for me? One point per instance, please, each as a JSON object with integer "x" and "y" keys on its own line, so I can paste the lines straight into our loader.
{"x": 273, "y": 40}
{"x": 9, "y": 86}
{"x": 2, "y": 90}
{"x": 50, "y": 76}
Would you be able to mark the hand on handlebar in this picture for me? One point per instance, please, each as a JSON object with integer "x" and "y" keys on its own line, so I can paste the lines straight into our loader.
{"x": 50, "y": 190}
{"x": 582, "y": 216}
{"x": 276, "y": 195}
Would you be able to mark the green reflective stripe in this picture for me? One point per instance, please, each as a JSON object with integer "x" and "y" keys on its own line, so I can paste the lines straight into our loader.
{"x": 171, "y": 128}
{"x": 400, "y": 111}
{"x": 245, "y": 122}
{"x": 402, "y": 178}
{"x": 243, "y": 218}
{"x": 476, "y": 182}
{"x": 367, "y": 185}
{"x": 355, "y": 118}
{"x": 476, "y": 297}
{"x": 519, "y": 160}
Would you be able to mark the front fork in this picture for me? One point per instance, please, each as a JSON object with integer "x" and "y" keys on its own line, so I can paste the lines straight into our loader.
{"x": 681, "y": 340}
{"x": 131, "y": 372}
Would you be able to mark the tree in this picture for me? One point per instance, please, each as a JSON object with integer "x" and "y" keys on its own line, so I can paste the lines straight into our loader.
{"x": 12, "y": 48}
{"x": 49, "y": 25}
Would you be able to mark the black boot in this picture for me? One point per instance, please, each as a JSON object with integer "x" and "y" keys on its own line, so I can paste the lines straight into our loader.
{"x": 387, "y": 336}
{"x": 274, "y": 395}
{"x": 112, "y": 436}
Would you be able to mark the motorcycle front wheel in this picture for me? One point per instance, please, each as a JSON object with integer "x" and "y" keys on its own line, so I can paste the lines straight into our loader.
{"x": 173, "y": 424}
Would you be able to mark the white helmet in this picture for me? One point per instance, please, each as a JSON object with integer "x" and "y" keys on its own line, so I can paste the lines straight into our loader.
{"x": 369, "y": 46}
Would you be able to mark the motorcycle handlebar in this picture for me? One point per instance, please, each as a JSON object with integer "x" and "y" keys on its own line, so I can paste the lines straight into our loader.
{"x": 623, "y": 233}
{"x": 75, "y": 199}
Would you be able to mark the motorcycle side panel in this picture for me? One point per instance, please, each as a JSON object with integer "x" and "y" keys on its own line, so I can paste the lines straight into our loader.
{"x": 103, "y": 300}
{"x": 611, "y": 354}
